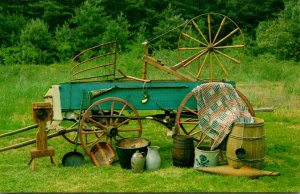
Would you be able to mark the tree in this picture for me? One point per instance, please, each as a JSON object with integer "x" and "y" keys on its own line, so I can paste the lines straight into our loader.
{"x": 118, "y": 30}
{"x": 166, "y": 32}
{"x": 64, "y": 42}
{"x": 37, "y": 39}
{"x": 280, "y": 36}
{"x": 10, "y": 29}
{"x": 88, "y": 25}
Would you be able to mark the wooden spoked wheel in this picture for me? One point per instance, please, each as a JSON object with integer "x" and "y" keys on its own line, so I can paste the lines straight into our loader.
{"x": 187, "y": 121}
{"x": 108, "y": 120}
{"x": 207, "y": 46}
{"x": 71, "y": 124}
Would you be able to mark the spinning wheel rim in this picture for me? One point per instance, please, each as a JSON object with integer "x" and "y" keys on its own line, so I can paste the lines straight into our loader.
{"x": 209, "y": 47}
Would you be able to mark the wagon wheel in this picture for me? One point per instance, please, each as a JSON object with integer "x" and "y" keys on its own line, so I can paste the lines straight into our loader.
{"x": 206, "y": 44}
{"x": 187, "y": 121}
{"x": 108, "y": 120}
{"x": 71, "y": 124}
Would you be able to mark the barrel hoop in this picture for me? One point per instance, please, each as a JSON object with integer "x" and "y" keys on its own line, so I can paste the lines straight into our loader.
{"x": 247, "y": 160}
{"x": 246, "y": 138}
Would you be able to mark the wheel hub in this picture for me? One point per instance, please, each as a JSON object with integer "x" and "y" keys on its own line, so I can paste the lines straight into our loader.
{"x": 112, "y": 131}
{"x": 210, "y": 48}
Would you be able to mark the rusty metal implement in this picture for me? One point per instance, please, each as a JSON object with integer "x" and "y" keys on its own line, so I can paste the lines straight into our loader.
{"x": 74, "y": 158}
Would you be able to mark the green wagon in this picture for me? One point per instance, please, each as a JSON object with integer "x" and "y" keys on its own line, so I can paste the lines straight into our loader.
{"x": 113, "y": 107}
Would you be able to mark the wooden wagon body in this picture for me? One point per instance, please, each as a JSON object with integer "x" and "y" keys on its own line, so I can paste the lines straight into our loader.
{"x": 107, "y": 110}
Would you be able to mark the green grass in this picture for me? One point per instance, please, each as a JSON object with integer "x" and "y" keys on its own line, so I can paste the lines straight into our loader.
{"x": 264, "y": 80}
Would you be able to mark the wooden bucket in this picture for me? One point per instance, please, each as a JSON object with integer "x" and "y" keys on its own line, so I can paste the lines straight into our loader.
{"x": 251, "y": 137}
{"x": 183, "y": 151}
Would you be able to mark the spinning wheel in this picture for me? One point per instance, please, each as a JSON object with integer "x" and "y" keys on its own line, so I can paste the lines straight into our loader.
{"x": 206, "y": 45}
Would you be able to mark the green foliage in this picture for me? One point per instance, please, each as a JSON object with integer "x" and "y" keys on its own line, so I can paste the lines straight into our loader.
{"x": 10, "y": 29}
{"x": 64, "y": 42}
{"x": 10, "y": 55}
{"x": 281, "y": 35}
{"x": 248, "y": 14}
{"x": 118, "y": 30}
{"x": 36, "y": 33}
{"x": 36, "y": 42}
{"x": 90, "y": 22}
{"x": 88, "y": 25}
{"x": 167, "y": 31}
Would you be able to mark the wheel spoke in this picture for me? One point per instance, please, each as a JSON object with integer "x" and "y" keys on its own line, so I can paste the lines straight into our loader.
{"x": 101, "y": 112}
{"x": 120, "y": 136}
{"x": 127, "y": 130}
{"x": 232, "y": 46}
{"x": 195, "y": 133}
{"x": 92, "y": 131}
{"x": 200, "y": 32}
{"x": 96, "y": 122}
{"x": 183, "y": 128}
{"x": 228, "y": 35}
{"x": 111, "y": 111}
{"x": 192, "y": 38}
{"x": 190, "y": 110}
{"x": 211, "y": 66}
{"x": 90, "y": 144}
{"x": 203, "y": 63}
{"x": 189, "y": 60}
{"x": 73, "y": 125}
{"x": 196, "y": 57}
{"x": 220, "y": 27}
{"x": 191, "y": 48}
{"x": 120, "y": 113}
{"x": 229, "y": 57}
{"x": 201, "y": 139}
{"x": 189, "y": 122}
{"x": 192, "y": 129}
{"x": 209, "y": 28}
{"x": 221, "y": 65}
{"x": 122, "y": 123}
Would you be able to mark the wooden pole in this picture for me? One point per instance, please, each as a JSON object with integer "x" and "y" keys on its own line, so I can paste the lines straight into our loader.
{"x": 144, "y": 70}
{"x": 19, "y": 130}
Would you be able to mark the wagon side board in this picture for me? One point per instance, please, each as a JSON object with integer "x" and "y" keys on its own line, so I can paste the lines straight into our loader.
{"x": 154, "y": 95}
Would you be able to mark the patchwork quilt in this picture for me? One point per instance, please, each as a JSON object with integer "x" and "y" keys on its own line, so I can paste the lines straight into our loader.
{"x": 219, "y": 106}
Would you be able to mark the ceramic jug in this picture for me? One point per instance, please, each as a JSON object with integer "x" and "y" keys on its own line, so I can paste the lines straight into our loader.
{"x": 153, "y": 159}
{"x": 138, "y": 162}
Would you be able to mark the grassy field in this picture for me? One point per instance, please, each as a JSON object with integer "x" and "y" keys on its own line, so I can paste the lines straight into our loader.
{"x": 264, "y": 80}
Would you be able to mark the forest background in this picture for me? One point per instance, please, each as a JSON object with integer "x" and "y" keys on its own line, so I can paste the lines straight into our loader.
{"x": 50, "y": 31}
{"x": 39, "y": 37}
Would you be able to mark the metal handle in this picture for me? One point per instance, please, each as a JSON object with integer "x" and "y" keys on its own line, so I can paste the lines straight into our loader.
{"x": 79, "y": 118}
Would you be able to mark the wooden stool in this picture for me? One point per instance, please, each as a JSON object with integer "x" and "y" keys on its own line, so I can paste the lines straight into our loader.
{"x": 41, "y": 113}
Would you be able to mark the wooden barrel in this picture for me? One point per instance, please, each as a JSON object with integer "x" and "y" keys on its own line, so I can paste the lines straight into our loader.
{"x": 251, "y": 137}
{"x": 183, "y": 151}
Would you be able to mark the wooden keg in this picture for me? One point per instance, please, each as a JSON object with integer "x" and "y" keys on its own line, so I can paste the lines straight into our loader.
{"x": 183, "y": 151}
{"x": 246, "y": 144}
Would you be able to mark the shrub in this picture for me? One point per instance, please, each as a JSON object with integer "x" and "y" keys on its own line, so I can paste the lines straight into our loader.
{"x": 36, "y": 43}
{"x": 63, "y": 42}
{"x": 117, "y": 30}
{"x": 281, "y": 35}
